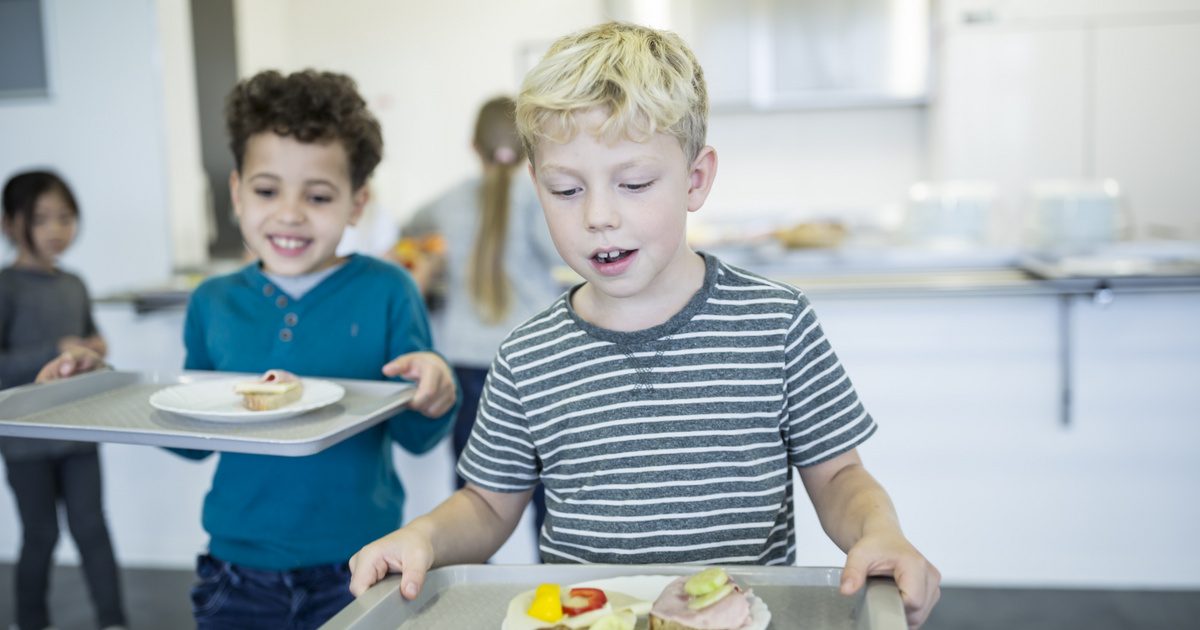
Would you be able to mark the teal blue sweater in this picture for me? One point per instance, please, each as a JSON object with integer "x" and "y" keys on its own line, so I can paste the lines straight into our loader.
{"x": 280, "y": 513}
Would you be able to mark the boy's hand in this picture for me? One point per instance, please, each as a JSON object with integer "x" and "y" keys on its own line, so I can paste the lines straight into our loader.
{"x": 404, "y": 551}
{"x": 75, "y": 359}
{"x": 892, "y": 555}
{"x": 436, "y": 392}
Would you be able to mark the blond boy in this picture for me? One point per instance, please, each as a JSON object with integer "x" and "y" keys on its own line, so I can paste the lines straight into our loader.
{"x": 666, "y": 401}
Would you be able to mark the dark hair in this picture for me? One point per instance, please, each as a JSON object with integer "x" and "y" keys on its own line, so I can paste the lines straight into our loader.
{"x": 309, "y": 106}
{"x": 21, "y": 193}
{"x": 501, "y": 150}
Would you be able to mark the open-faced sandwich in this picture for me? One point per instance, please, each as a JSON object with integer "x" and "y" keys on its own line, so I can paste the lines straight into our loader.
{"x": 275, "y": 389}
{"x": 581, "y": 608}
{"x": 708, "y": 600}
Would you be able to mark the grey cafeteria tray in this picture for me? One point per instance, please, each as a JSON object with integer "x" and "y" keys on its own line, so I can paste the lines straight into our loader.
{"x": 114, "y": 406}
{"x": 476, "y": 597}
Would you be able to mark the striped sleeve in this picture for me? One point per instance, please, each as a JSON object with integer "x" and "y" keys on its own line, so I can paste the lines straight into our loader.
{"x": 500, "y": 454}
{"x": 824, "y": 416}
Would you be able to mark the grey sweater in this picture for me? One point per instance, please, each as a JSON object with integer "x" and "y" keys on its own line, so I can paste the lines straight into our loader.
{"x": 529, "y": 258}
{"x": 37, "y": 308}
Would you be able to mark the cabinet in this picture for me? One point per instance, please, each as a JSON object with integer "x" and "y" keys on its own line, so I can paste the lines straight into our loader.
{"x": 988, "y": 482}
{"x": 1072, "y": 89}
{"x": 788, "y": 55}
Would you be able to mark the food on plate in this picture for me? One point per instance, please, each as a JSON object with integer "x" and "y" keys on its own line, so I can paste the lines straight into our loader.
{"x": 275, "y": 389}
{"x": 550, "y": 607}
{"x": 708, "y": 600}
{"x": 811, "y": 234}
{"x": 581, "y": 600}
{"x": 624, "y": 620}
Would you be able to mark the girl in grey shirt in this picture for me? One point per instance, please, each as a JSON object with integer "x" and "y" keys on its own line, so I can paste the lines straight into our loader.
{"x": 45, "y": 311}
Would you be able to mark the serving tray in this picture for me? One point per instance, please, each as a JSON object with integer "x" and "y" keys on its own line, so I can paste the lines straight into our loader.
{"x": 477, "y": 596}
{"x": 114, "y": 406}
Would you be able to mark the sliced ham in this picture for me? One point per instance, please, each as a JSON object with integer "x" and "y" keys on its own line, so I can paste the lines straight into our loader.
{"x": 730, "y": 613}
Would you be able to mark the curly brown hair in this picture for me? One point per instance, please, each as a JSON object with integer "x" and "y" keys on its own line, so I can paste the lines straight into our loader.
{"x": 309, "y": 106}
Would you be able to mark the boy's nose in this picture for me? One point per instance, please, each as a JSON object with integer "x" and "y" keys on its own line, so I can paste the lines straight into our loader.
{"x": 598, "y": 214}
{"x": 290, "y": 212}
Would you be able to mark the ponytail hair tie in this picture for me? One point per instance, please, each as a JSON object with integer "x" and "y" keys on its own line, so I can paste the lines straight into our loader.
{"x": 504, "y": 155}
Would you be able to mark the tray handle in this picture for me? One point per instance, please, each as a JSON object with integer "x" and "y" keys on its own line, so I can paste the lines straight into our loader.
{"x": 879, "y": 607}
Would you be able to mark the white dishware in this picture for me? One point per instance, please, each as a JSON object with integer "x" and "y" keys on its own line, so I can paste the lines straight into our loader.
{"x": 215, "y": 400}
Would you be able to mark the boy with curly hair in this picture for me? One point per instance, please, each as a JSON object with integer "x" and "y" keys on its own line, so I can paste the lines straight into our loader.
{"x": 667, "y": 401}
{"x": 283, "y": 528}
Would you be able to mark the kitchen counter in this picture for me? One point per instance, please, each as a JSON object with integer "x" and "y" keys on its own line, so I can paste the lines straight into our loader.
{"x": 906, "y": 272}
{"x": 886, "y": 272}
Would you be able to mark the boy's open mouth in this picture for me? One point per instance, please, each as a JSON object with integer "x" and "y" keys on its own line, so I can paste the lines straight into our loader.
{"x": 613, "y": 262}
{"x": 612, "y": 256}
{"x": 289, "y": 244}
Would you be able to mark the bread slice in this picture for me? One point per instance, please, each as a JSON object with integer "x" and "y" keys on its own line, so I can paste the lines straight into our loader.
{"x": 658, "y": 623}
{"x": 257, "y": 396}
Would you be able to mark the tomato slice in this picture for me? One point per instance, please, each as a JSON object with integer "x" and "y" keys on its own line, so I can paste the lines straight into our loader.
{"x": 581, "y": 600}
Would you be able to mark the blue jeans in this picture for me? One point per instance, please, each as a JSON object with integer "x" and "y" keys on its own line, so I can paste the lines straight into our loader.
{"x": 227, "y": 596}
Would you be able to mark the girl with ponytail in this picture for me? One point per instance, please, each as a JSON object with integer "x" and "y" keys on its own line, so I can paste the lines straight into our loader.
{"x": 486, "y": 261}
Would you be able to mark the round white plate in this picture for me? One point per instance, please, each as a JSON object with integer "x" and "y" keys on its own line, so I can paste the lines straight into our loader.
{"x": 216, "y": 401}
{"x": 649, "y": 587}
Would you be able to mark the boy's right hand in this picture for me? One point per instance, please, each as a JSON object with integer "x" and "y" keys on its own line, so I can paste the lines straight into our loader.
{"x": 75, "y": 359}
{"x": 403, "y": 551}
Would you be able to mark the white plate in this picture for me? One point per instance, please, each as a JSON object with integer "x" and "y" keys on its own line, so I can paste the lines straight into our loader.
{"x": 649, "y": 587}
{"x": 216, "y": 401}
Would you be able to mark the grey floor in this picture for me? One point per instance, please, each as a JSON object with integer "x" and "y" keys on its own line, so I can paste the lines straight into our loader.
{"x": 158, "y": 600}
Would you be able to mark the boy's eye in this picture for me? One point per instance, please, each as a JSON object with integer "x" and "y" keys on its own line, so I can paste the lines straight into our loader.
{"x": 265, "y": 193}
{"x": 320, "y": 199}
{"x": 566, "y": 193}
{"x": 638, "y": 187}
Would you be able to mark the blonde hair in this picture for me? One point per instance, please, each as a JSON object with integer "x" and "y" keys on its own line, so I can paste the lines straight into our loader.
{"x": 647, "y": 80}
{"x": 499, "y": 147}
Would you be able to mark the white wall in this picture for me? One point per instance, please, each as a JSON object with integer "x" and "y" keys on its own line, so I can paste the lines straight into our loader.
{"x": 822, "y": 163}
{"x": 102, "y": 129}
{"x": 426, "y": 67}
{"x": 1062, "y": 89}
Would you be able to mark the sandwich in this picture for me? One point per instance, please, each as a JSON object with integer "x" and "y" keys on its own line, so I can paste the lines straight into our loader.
{"x": 275, "y": 389}
{"x": 708, "y": 600}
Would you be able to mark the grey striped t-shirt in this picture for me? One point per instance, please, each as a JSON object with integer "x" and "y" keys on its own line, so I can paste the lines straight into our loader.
{"x": 673, "y": 444}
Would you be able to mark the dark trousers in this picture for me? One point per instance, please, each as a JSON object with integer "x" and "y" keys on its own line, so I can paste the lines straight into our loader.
{"x": 39, "y": 485}
{"x": 471, "y": 381}
{"x": 230, "y": 597}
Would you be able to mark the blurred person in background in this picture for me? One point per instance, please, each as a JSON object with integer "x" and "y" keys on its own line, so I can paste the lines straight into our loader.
{"x": 45, "y": 312}
{"x": 480, "y": 288}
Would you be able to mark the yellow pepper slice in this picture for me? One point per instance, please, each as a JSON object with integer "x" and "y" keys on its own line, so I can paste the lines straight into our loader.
{"x": 547, "y": 603}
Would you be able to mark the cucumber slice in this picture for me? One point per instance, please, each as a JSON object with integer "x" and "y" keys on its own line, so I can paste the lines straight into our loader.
{"x": 706, "y": 581}
{"x": 704, "y": 601}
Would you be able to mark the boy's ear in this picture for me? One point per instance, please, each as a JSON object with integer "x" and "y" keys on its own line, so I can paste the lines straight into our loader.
{"x": 235, "y": 185}
{"x": 700, "y": 178}
{"x": 361, "y": 197}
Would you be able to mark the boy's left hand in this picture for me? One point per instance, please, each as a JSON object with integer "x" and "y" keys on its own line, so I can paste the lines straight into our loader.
{"x": 890, "y": 554}
{"x": 436, "y": 392}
